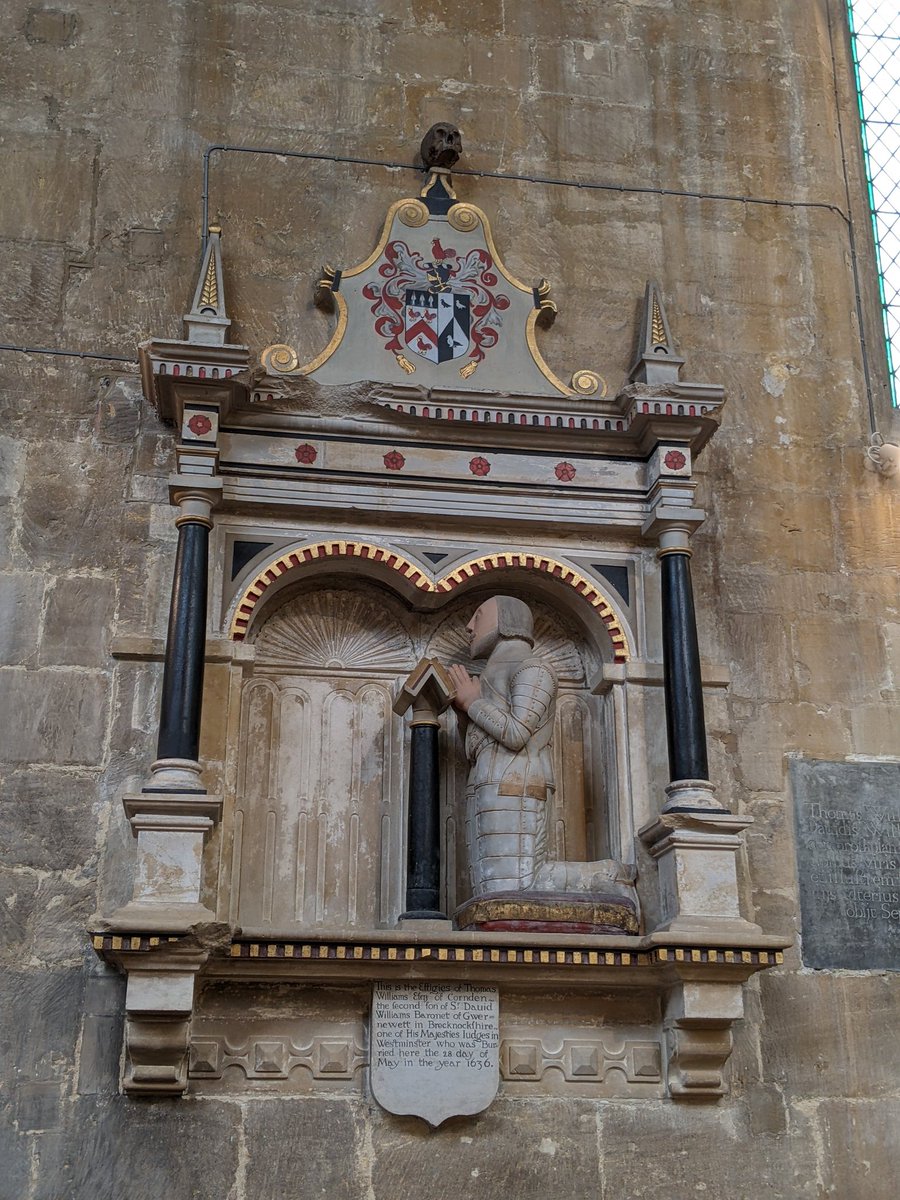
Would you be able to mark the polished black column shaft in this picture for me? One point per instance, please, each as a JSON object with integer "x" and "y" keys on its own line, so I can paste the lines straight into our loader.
{"x": 685, "y": 724}
{"x": 423, "y": 852}
{"x": 182, "y": 691}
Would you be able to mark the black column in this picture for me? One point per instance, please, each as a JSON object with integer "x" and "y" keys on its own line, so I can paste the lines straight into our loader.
{"x": 179, "y": 723}
{"x": 685, "y": 725}
{"x": 423, "y": 847}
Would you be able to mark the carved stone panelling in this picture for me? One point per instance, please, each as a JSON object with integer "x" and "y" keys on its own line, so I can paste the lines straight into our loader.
{"x": 333, "y": 1056}
{"x": 581, "y": 1060}
{"x": 593, "y": 1064}
{"x": 318, "y": 812}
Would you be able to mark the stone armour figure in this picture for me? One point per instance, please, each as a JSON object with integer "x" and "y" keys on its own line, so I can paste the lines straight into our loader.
{"x": 507, "y": 719}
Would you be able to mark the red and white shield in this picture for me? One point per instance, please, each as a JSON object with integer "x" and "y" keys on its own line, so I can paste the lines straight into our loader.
{"x": 436, "y": 323}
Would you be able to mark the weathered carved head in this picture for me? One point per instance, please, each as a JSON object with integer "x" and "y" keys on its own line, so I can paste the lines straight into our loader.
{"x": 514, "y": 619}
{"x": 441, "y": 146}
{"x": 499, "y": 617}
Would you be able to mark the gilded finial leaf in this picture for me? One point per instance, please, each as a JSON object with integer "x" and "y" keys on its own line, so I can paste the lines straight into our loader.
{"x": 658, "y": 329}
{"x": 209, "y": 297}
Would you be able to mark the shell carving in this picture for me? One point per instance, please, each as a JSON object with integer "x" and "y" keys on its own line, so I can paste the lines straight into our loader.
{"x": 335, "y": 630}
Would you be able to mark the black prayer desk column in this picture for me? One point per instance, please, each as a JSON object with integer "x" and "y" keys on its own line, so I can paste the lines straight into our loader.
{"x": 426, "y": 694}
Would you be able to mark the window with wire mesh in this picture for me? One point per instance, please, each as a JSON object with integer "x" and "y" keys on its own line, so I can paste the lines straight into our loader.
{"x": 875, "y": 37}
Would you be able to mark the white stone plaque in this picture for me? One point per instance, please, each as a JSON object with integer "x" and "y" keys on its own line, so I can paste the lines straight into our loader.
{"x": 435, "y": 1048}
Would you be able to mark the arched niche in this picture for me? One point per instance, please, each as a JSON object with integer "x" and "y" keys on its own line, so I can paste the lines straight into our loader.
{"x": 321, "y": 760}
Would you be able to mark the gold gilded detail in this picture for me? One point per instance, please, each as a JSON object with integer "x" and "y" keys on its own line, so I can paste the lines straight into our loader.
{"x": 279, "y": 359}
{"x": 404, "y": 363}
{"x": 413, "y": 213}
{"x": 209, "y": 297}
{"x": 469, "y": 369}
{"x": 589, "y": 383}
{"x": 432, "y": 180}
{"x": 480, "y": 911}
{"x": 324, "y": 297}
{"x": 539, "y": 360}
{"x": 466, "y": 218}
{"x": 547, "y": 309}
{"x": 657, "y": 328}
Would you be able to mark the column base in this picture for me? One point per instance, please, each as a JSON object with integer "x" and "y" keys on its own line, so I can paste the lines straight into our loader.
{"x": 692, "y": 795}
{"x": 696, "y": 857}
{"x": 175, "y": 775}
{"x": 429, "y": 925}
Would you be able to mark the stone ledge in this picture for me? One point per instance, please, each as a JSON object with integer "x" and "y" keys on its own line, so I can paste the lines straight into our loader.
{"x": 650, "y": 674}
{"x": 141, "y": 648}
{"x": 581, "y": 960}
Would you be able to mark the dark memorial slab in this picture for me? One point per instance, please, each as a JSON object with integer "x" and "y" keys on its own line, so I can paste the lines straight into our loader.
{"x": 848, "y": 850}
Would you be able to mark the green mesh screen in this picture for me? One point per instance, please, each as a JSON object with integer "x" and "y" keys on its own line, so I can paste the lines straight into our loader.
{"x": 875, "y": 30}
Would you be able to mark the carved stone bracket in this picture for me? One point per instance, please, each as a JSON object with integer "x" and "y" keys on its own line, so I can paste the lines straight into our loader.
{"x": 158, "y": 1005}
{"x": 699, "y": 1017}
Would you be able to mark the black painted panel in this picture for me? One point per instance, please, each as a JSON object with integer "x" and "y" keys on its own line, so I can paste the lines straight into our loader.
{"x": 848, "y": 854}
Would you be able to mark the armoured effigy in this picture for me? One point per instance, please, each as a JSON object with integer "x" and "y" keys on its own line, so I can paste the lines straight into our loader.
{"x": 507, "y": 716}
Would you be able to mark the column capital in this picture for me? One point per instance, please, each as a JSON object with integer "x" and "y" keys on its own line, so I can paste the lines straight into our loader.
{"x": 196, "y": 498}
{"x": 672, "y": 521}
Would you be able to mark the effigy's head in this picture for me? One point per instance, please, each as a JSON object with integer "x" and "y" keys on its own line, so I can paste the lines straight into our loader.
{"x": 499, "y": 617}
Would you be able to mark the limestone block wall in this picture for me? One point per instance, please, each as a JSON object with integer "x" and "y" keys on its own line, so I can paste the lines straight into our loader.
{"x": 107, "y": 111}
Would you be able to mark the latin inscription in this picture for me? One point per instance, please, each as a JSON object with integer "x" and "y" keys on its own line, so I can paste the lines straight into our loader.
{"x": 848, "y": 824}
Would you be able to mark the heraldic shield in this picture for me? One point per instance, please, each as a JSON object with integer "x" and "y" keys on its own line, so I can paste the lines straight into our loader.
{"x": 436, "y": 324}
{"x": 431, "y": 306}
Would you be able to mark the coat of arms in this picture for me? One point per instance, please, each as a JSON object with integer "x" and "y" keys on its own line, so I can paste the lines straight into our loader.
{"x": 433, "y": 300}
{"x": 442, "y": 309}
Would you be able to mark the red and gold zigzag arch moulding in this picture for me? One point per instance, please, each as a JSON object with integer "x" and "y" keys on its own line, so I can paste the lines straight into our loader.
{"x": 340, "y": 549}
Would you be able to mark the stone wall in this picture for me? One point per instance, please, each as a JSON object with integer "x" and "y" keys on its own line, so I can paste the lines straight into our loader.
{"x": 107, "y": 115}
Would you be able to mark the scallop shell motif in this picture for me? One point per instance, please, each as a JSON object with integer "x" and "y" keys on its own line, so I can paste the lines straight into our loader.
{"x": 336, "y": 630}
{"x": 450, "y": 644}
